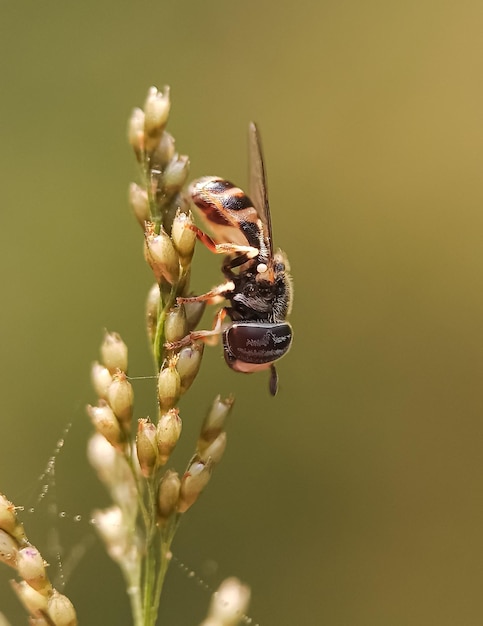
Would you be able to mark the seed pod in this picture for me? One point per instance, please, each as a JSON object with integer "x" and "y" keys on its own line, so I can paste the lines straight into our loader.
{"x": 168, "y": 494}
{"x": 168, "y": 431}
{"x": 169, "y": 386}
{"x": 120, "y": 396}
{"x": 146, "y": 447}
{"x": 214, "y": 422}
{"x": 31, "y": 599}
{"x": 61, "y": 610}
{"x": 31, "y": 567}
{"x": 189, "y": 362}
{"x": 105, "y": 423}
{"x": 184, "y": 238}
{"x": 175, "y": 174}
{"x": 194, "y": 313}
{"x": 135, "y": 131}
{"x": 138, "y": 199}
{"x": 8, "y": 549}
{"x": 101, "y": 379}
{"x": 161, "y": 255}
{"x": 164, "y": 152}
{"x": 193, "y": 483}
{"x": 114, "y": 352}
{"x": 156, "y": 112}
{"x": 175, "y": 327}
{"x": 9, "y": 521}
{"x": 214, "y": 450}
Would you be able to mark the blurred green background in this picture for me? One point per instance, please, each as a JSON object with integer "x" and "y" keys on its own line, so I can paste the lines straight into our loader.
{"x": 354, "y": 497}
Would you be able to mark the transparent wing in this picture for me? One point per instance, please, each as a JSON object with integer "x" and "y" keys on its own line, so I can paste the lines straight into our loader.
{"x": 258, "y": 183}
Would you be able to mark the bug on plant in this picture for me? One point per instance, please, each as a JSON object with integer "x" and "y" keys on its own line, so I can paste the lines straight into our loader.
{"x": 258, "y": 285}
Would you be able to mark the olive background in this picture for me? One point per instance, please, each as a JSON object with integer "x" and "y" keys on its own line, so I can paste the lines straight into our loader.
{"x": 355, "y": 496}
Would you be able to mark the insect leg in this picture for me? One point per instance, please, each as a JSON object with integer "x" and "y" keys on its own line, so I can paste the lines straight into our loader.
{"x": 223, "y": 248}
{"x": 213, "y": 294}
{"x": 207, "y": 336}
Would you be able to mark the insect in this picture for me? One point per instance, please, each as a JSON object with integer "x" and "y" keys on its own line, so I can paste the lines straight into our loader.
{"x": 258, "y": 286}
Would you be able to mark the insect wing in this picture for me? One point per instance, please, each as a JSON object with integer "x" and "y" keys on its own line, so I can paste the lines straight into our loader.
{"x": 258, "y": 183}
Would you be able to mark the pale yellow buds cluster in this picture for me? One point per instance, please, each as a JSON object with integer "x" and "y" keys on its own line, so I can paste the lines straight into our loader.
{"x": 229, "y": 604}
{"x": 35, "y": 590}
{"x": 113, "y": 414}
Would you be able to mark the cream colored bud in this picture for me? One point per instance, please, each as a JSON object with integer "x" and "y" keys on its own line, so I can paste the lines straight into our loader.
{"x": 61, "y": 610}
{"x": 156, "y": 112}
{"x": 152, "y": 310}
{"x": 229, "y": 603}
{"x": 121, "y": 399}
{"x": 164, "y": 152}
{"x": 8, "y": 549}
{"x": 31, "y": 599}
{"x": 168, "y": 495}
{"x": 138, "y": 199}
{"x": 135, "y": 131}
{"x": 113, "y": 529}
{"x": 101, "y": 379}
{"x": 168, "y": 431}
{"x": 175, "y": 327}
{"x": 175, "y": 174}
{"x": 193, "y": 483}
{"x": 169, "y": 386}
{"x": 106, "y": 423}
{"x": 146, "y": 447}
{"x": 8, "y": 520}
{"x": 214, "y": 450}
{"x": 31, "y": 567}
{"x": 161, "y": 255}
{"x": 189, "y": 362}
{"x": 194, "y": 313}
{"x": 214, "y": 422}
{"x": 114, "y": 352}
{"x": 184, "y": 238}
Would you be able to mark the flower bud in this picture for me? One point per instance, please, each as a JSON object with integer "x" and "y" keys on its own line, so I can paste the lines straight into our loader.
{"x": 189, "y": 362}
{"x": 9, "y": 522}
{"x": 229, "y": 603}
{"x": 193, "y": 483}
{"x": 31, "y": 567}
{"x": 138, "y": 199}
{"x": 175, "y": 327}
{"x": 184, "y": 238}
{"x": 164, "y": 151}
{"x": 175, "y": 174}
{"x": 214, "y": 450}
{"x": 8, "y": 549}
{"x": 105, "y": 423}
{"x": 152, "y": 308}
{"x": 121, "y": 398}
{"x": 32, "y": 600}
{"x": 146, "y": 447}
{"x": 61, "y": 610}
{"x": 113, "y": 530}
{"x": 156, "y": 112}
{"x": 168, "y": 431}
{"x": 114, "y": 352}
{"x": 214, "y": 422}
{"x": 168, "y": 494}
{"x": 169, "y": 386}
{"x": 135, "y": 131}
{"x": 194, "y": 313}
{"x": 161, "y": 255}
{"x": 101, "y": 379}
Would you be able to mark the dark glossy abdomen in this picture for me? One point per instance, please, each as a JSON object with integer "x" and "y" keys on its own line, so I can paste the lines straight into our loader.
{"x": 252, "y": 346}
